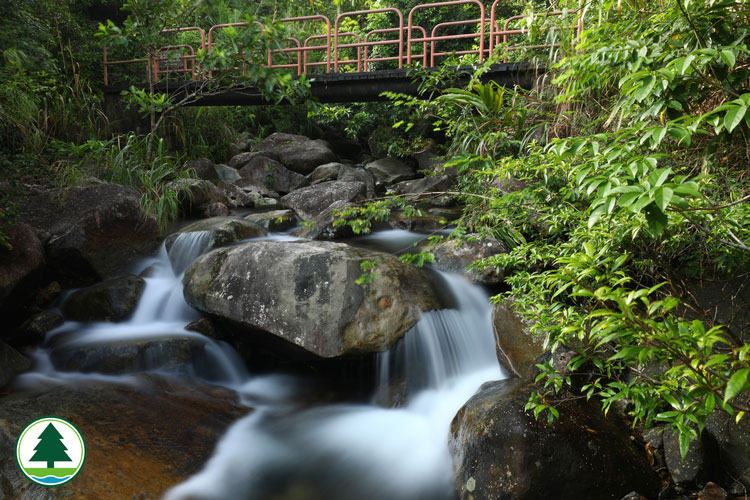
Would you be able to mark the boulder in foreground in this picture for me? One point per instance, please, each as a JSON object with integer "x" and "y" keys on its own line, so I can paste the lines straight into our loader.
{"x": 306, "y": 294}
{"x": 502, "y": 452}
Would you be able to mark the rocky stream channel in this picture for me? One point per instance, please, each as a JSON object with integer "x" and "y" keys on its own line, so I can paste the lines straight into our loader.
{"x": 240, "y": 359}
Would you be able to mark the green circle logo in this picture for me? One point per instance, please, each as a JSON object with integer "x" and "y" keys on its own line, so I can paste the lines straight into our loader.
{"x": 50, "y": 451}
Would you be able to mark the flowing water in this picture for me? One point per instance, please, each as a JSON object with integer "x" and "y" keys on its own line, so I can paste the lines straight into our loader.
{"x": 284, "y": 449}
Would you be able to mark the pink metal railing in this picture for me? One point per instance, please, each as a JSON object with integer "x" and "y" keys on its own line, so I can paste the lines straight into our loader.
{"x": 433, "y": 38}
{"x": 303, "y": 49}
{"x": 369, "y": 44}
{"x": 329, "y": 48}
{"x": 360, "y": 45}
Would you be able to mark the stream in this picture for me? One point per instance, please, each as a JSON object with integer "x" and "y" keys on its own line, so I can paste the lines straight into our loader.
{"x": 284, "y": 449}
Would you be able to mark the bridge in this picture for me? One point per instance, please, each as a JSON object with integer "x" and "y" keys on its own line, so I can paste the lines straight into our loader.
{"x": 346, "y": 66}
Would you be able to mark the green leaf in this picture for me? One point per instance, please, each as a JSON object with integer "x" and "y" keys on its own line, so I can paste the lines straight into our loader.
{"x": 684, "y": 443}
{"x": 658, "y": 177}
{"x": 734, "y": 117}
{"x": 736, "y": 384}
{"x": 662, "y": 197}
{"x": 647, "y": 85}
{"x": 728, "y": 57}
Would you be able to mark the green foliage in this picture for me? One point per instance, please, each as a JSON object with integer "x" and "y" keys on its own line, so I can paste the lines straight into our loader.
{"x": 368, "y": 271}
{"x": 610, "y": 186}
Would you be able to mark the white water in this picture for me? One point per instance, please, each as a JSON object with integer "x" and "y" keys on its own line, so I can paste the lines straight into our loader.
{"x": 161, "y": 313}
{"x": 360, "y": 451}
{"x": 284, "y": 449}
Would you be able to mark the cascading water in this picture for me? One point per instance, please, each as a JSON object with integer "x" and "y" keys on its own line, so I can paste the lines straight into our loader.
{"x": 284, "y": 449}
{"x": 361, "y": 451}
{"x": 162, "y": 313}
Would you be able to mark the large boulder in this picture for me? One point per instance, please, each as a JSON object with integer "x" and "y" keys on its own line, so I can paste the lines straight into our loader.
{"x": 390, "y": 170}
{"x": 310, "y": 202}
{"x": 226, "y": 173}
{"x": 517, "y": 348}
{"x": 89, "y": 233}
{"x": 352, "y": 174}
{"x": 111, "y": 300}
{"x": 197, "y": 195}
{"x": 299, "y": 153}
{"x": 142, "y": 437}
{"x": 242, "y": 159}
{"x": 272, "y": 174}
{"x": 11, "y": 363}
{"x": 502, "y": 452}
{"x": 425, "y": 186}
{"x": 20, "y": 262}
{"x": 306, "y": 294}
{"x": 457, "y": 255}
{"x": 202, "y": 168}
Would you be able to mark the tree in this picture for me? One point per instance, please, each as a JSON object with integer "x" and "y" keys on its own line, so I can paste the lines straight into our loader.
{"x": 50, "y": 448}
{"x": 235, "y": 62}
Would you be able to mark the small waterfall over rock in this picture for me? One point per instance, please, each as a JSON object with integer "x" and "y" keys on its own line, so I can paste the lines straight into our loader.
{"x": 361, "y": 451}
{"x": 154, "y": 338}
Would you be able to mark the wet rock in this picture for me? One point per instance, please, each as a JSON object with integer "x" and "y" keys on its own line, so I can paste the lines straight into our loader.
{"x": 111, "y": 300}
{"x": 298, "y": 153}
{"x": 236, "y": 197}
{"x": 325, "y": 173}
{"x": 428, "y": 185}
{"x": 272, "y": 174}
{"x": 696, "y": 467}
{"x": 733, "y": 442}
{"x": 457, "y": 255}
{"x": 502, "y": 452}
{"x": 725, "y": 300}
{"x": 426, "y": 223}
{"x": 310, "y": 202}
{"x": 517, "y": 348}
{"x": 20, "y": 265}
{"x": 142, "y": 438}
{"x": 428, "y": 159}
{"x": 203, "y": 168}
{"x": 226, "y": 173}
{"x": 352, "y": 174}
{"x": 88, "y": 233}
{"x": 634, "y": 495}
{"x": 12, "y": 363}
{"x": 305, "y": 293}
{"x": 322, "y": 227}
{"x": 712, "y": 491}
{"x": 195, "y": 195}
{"x": 243, "y": 142}
{"x": 131, "y": 356}
{"x": 215, "y": 210}
{"x": 391, "y": 170}
{"x": 205, "y": 326}
{"x": 34, "y": 329}
{"x": 274, "y": 220}
{"x": 242, "y": 159}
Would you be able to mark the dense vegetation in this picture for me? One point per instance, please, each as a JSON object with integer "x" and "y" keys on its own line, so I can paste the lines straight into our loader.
{"x": 630, "y": 160}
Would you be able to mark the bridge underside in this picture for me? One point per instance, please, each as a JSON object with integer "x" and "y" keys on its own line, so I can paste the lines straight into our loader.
{"x": 348, "y": 87}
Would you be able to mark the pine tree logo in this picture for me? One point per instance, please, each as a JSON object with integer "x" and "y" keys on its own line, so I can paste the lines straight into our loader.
{"x": 50, "y": 451}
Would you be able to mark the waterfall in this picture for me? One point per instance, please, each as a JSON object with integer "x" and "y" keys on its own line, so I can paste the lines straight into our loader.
{"x": 284, "y": 449}
{"x": 360, "y": 451}
{"x": 161, "y": 314}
